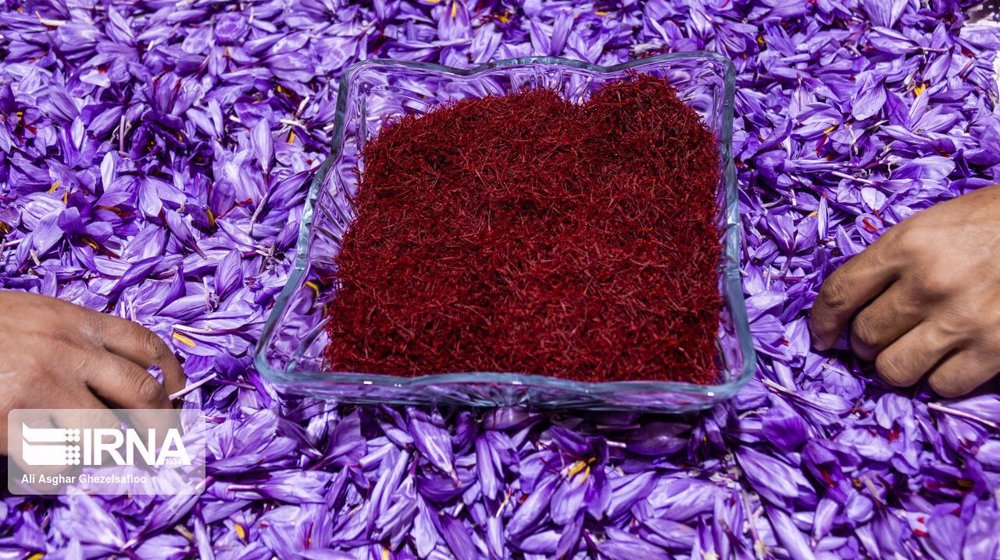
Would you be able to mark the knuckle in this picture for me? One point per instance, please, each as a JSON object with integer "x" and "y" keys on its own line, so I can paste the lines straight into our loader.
{"x": 972, "y": 316}
{"x": 892, "y": 369}
{"x": 935, "y": 282}
{"x": 63, "y": 359}
{"x": 93, "y": 326}
{"x": 944, "y": 386}
{"x": 66, "y": 336}
{"x": 833, "y": 293}
{"x": 865, "y": 331}
{"x": 950, "y": 329}
{"x": 149, "y": 390}
{"x": 913, "y": 235}
{"x": 87, "y": 365}
{"x": 152, "y": 345}
{"x": 907, "y": 237}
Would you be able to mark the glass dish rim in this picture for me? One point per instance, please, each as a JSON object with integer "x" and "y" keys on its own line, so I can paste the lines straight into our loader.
{"x": 732, "y": 286}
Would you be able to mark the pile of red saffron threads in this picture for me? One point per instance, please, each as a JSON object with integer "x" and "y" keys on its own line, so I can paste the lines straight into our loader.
{"x": 525, "y": 233}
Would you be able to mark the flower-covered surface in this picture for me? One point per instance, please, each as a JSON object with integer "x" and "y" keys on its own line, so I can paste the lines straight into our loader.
{"x": 154, "y": 157}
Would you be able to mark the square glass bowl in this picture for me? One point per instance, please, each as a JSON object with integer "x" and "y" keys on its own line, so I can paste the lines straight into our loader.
{"x": 290, "y": 352}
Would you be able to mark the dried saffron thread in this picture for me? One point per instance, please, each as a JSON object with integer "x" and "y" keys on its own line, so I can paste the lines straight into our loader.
{"x": 525, "y": 233}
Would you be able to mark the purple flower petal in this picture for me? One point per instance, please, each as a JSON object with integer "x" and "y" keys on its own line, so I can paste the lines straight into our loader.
{"x": 458, "y": 538}
{"x": 263, "y": 144}
{"x": 789, "y": 535}
{"x": 433, "y": 441}
{"x": 532, "y": 509}
{"x": 870, "y": 97}
{"x": 629, "y": 491}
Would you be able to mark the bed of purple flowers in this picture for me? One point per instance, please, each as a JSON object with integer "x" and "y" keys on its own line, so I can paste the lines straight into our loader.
{"x": 153, "y": 163}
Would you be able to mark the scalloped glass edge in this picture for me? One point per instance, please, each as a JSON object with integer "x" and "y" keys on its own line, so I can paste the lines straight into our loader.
{"x": 390, "y": 389}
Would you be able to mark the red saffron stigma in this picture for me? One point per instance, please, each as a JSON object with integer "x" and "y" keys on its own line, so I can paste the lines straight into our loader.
{"x": 525, "y": 233}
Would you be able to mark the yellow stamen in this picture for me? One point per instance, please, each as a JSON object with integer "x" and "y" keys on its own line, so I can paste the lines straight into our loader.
{"x": 183, "y": 339}
{"x": 65, "y": 197}
{"x": 454, "y": 10}
{"x": 921, "y": 87}
{"x": 504, "y": 18}
{"x": 92, "y": 243}
{"x": 37, "y": 555}
{"x": 211, "y": 217}
{"x": 586, "y": 475}
{"x": 761, "y": 42}
{"x": 291, "y": 137}
{"x": 240, "y": 531}
{"x": 314, "y": 286}
{"x": 54, "y": 186}
{"x": 601, "y": 12}
{"x": 385, "y": 554}
{"x": 814, "y": 214}
{"x": 575, "y": 469}
{"x": 831, "y": 129}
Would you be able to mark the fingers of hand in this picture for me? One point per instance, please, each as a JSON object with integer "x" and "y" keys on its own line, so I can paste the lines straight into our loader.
{"x": 142, "y": 346}
{"x": 905, "y": 361}
{"x": 119, "y": 383}
{"x": 851, "y": 286}
{"x": 883, "y": 321}
{"x": 122, "y": 383}
{"x": 82, "y": 327}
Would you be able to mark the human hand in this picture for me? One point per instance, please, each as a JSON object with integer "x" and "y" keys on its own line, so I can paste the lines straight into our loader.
{"x": 56, "y": 355}
{"x": 924, "y": 298}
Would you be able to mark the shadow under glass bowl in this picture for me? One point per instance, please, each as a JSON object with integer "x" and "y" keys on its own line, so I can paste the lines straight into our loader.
{"x": 371, "y": 93}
